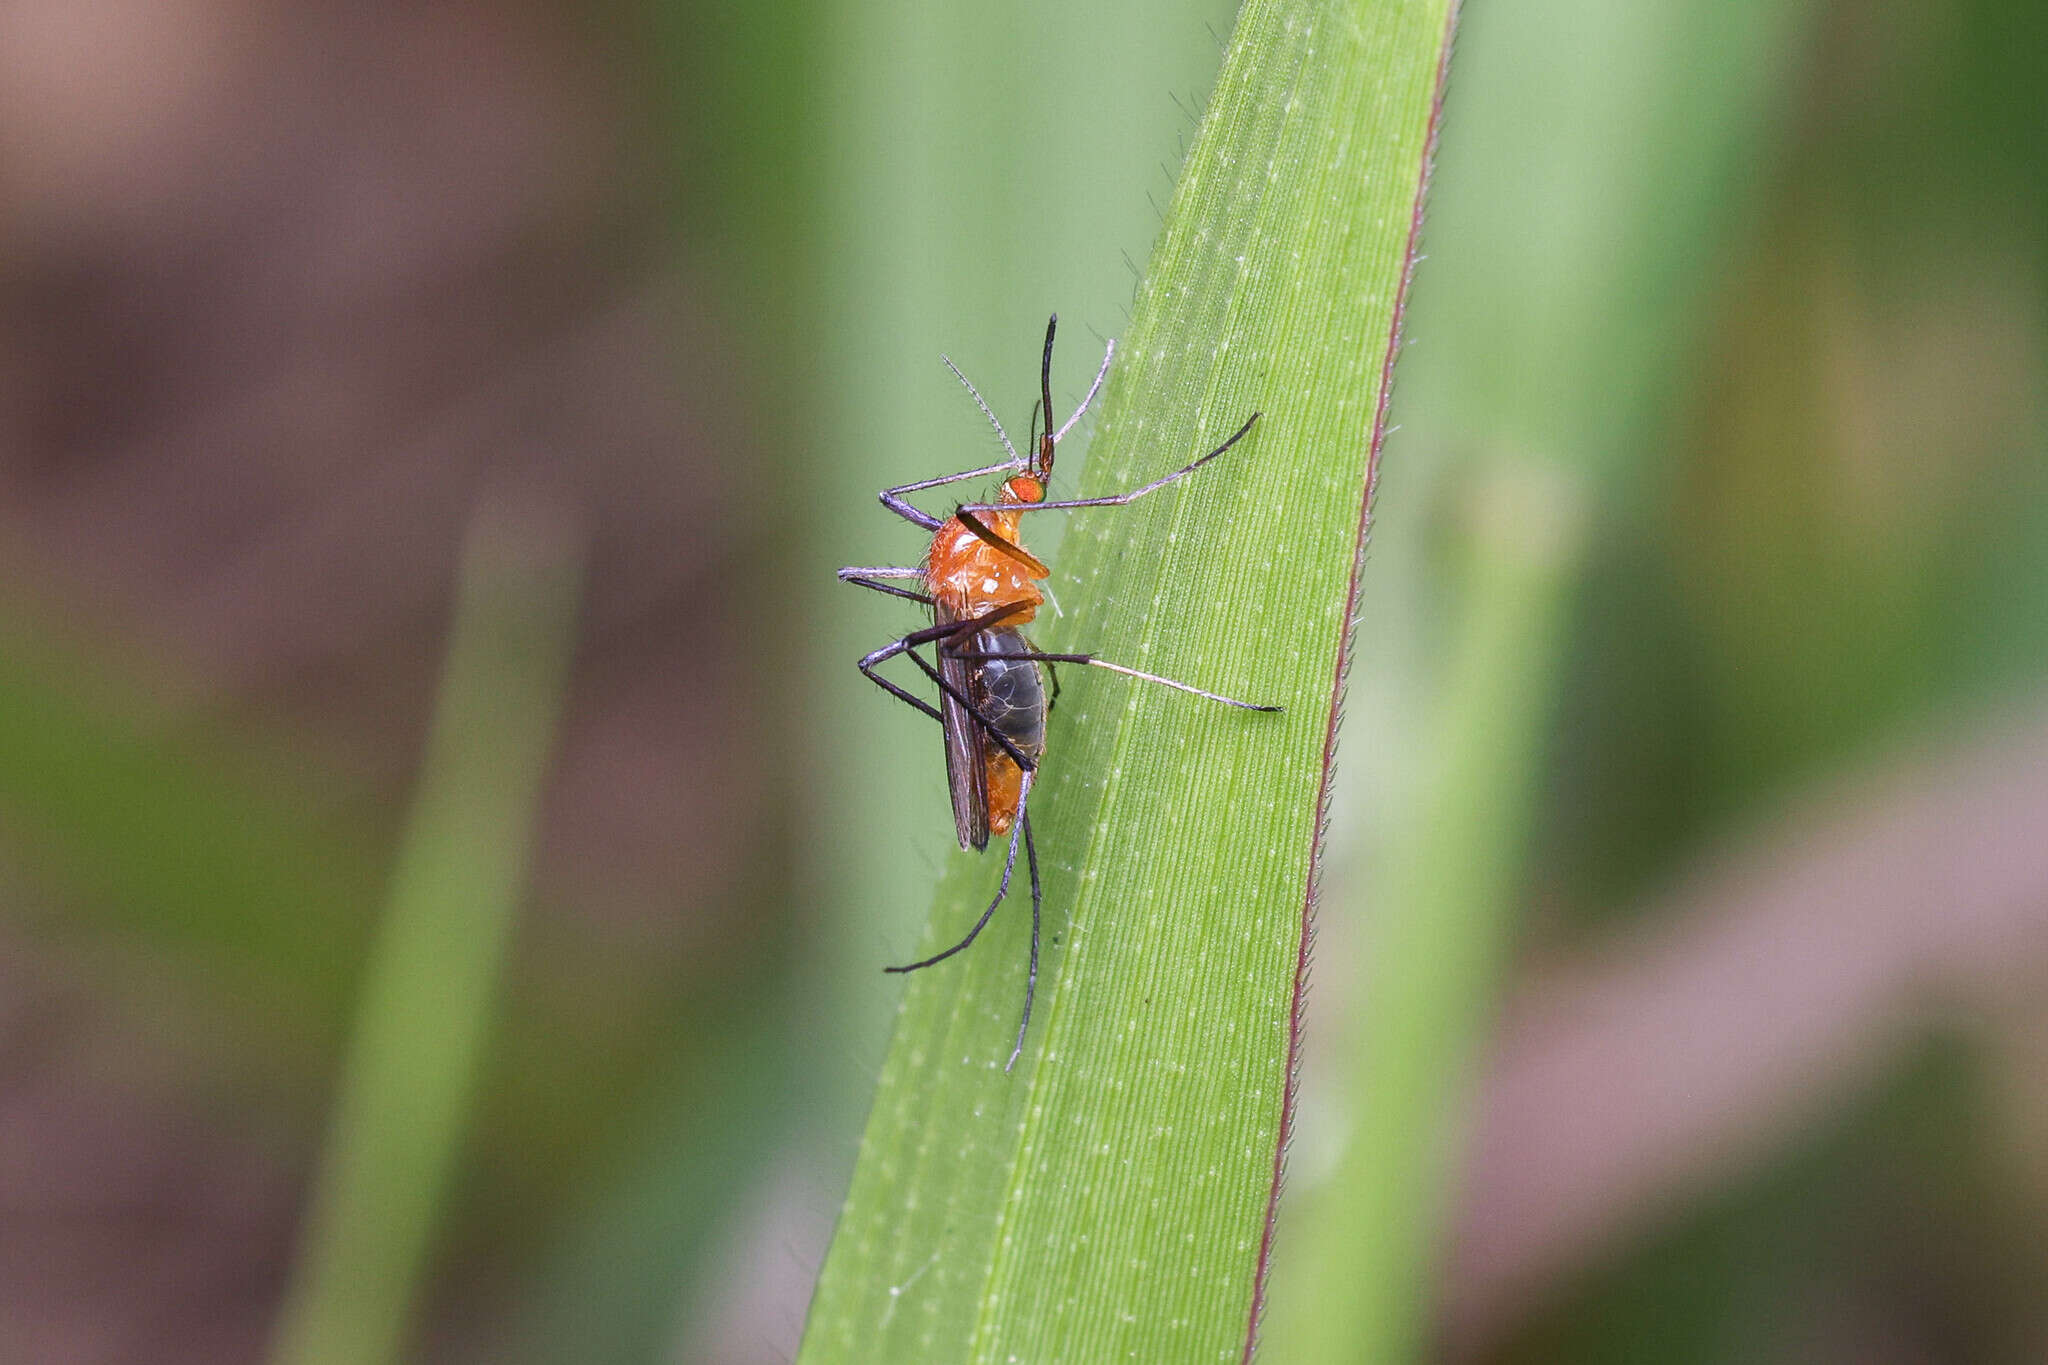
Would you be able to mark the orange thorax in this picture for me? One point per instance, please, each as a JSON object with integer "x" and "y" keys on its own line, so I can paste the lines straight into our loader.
{"x": 969, "y": 576}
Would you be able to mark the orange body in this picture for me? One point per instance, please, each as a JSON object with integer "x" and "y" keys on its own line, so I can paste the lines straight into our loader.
{"x": 1005, "y": 789}
{"x": 969, "y": 577}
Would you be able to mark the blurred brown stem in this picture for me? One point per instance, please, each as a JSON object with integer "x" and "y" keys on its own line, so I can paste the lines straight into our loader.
{"x": 1779, "y": 980}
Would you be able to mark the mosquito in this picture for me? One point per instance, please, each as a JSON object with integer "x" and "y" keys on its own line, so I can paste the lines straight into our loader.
{"x": 981, "y": 586}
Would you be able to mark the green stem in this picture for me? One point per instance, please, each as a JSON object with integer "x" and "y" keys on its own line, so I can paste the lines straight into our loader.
{"x": 431, "y": 981}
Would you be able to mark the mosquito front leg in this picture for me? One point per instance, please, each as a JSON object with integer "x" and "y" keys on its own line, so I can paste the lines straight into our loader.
{"x": 892, "y": 498}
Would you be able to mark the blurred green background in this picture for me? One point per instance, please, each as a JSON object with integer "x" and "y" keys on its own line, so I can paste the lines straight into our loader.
{"x": 342, "y": 348}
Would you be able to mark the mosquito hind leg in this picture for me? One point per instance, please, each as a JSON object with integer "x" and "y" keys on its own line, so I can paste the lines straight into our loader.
{"x": 1002, "y": 890}
{"x": 1037, "y": 902}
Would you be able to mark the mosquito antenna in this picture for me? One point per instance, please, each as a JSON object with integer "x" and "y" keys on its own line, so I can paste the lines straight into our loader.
{"x": 1108, "y": 353}
{"x": 1046, "y": 442}
{"x": 975, "y": 394}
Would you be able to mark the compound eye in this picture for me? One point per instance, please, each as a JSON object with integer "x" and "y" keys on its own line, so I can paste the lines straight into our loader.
{"x": 1024, "y": 488}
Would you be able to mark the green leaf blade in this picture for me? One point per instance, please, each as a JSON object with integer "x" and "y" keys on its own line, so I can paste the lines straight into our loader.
{"x": 1109, "y": 1198}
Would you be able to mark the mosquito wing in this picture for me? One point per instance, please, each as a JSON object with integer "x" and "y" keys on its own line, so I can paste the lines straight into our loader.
{"x": 966, "y": 773}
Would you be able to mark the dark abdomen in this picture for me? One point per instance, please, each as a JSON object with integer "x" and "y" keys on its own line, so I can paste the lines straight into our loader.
{"x": 1010, "y": 691}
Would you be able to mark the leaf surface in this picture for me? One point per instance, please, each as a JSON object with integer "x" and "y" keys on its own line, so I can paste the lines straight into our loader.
{"x": 1109, "y": 1198}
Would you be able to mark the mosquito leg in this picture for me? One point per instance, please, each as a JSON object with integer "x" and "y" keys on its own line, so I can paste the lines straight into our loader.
{"x": 1037, "y": 901}
{"x": 892, "y": 498}
{"x": 964, "y": 626}
{"x": 867, "y": 667}
{"x": 946, "y": 630}
{"x": 1002, "y": 890}
{"x": 1120, "y": 499}
{"x": 1003, "y": 741}
{"x": 866, "y": 578}
{"x": 905, "y": 593}
{"x": 907, "y": 645}
{"x": 1141, "y": 676}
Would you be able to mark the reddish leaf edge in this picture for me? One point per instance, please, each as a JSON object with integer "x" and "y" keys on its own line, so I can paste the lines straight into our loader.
{"x": 1340, "y": 676}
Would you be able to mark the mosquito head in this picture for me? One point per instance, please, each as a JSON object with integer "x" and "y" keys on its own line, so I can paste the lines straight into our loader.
{"x": 1024, "y": 488}
{"x": 1041, "y": 460}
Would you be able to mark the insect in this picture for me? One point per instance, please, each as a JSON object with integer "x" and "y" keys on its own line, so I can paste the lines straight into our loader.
{"x": 981, "y": 585}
